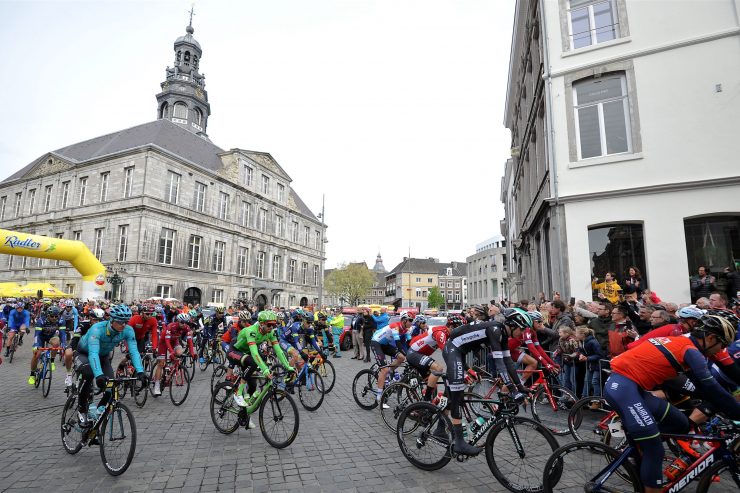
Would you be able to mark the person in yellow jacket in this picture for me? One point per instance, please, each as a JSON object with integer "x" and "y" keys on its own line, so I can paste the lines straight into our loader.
{"x": 336, "y": 322}
{"x": 609, "y": 289}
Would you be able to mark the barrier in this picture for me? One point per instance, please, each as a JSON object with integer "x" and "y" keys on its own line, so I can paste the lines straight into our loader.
{"x": 74, "y": 252}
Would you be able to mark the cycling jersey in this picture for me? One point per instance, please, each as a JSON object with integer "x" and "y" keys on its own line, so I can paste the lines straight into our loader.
{"x": 388, "y": 335}
{"x": 141, "y": 328}
{"x": 669, "y": 330}
{"x": 69, "y": 318}
{"x": 529, "y": 337}
{"x": 16, "y": 319}
{"x": 288, "y": 336}
{"x": 427, "y": 342}
{"x": 45, "y": 330}
{"x": 173, "y": 333}
{"x": 101, "y": 339}
{"x": 251, "y": 338}
{"x": 309, "y": 336}
{"x": 215, "y": 324}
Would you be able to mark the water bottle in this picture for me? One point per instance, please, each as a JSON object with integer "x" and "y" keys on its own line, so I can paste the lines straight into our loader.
{"x": 477, "y": 425}
{"x": 396, "y": 376}
{"x": 465, "y": 431}
{"x": 92, "y": 411}
{"x": 100, "y": 410}
{"x": 677, "y": 467}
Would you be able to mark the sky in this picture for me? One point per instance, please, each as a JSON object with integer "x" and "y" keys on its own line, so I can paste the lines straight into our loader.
{"x": 391, "y": 109}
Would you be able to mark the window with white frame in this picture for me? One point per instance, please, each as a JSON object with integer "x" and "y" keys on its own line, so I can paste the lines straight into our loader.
{"x": 219, "y": 249}
{"x": 217, "y": 296}
{"x": 223, "y": 205}
{"x": 418, "y": 279}
{"x": 304, "y": 272}
{"x": 294, "y": 231}
{"x": 317, "y": 241}
{"x": 83, "y": 191}
{"x": 276, "y": 267}
{"x": 166, "y": 245}
{"x": 199, "y": 197}
{"x": 261, "y": 265}
{"x": 457, "y": 296}
{"x": 173, "y": 187}
{"x": 279, "y": 225}
{"x": 31, "y": 200}
{"x": 265, "y": 184}
{"x": 248, "y": 175}
{"x": 18, "y": 200}
{"x": 128, "y": 183}
{"x": 275, "y": 300}
{"x": 291, "y": 270}
{"x": 57, "y": 263}
{"x": 98, "y": 247}
{"x": 3, "y": 203}
{"x": 430, "y": 280}
{"x": 77, "y": 235}
{"x": 306, "y": 235}
{"x": 246, "y": 213}
{"x": 47, "y": 197}
{"x": 241, "y": 261}
{"x": 181, "y": 111}
{"x": 263, "y": 220}
{"x": 194, "y": 251}
{"x": 281, "y": 192}
{"x": 65, "y": 194}
{"x": 164, "y": 291}
{"x": 122, "y": 242}
{"x": 315, "y": 275}
{"x": 602, "y": 116}
{"x": 418, "y": 292}
{"x": 592, "y": 22}
{"x": 104, "y": 179}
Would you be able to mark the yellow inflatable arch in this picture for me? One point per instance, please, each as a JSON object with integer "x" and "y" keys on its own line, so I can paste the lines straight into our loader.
{"x": 74, "y": 252}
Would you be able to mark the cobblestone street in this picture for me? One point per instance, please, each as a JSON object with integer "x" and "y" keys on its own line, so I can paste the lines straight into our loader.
{"x": 340, "y": 447}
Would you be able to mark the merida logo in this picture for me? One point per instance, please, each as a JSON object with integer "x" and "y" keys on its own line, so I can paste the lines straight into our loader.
{"x": 28, "y": 243}
{"x": 691, "y": 475}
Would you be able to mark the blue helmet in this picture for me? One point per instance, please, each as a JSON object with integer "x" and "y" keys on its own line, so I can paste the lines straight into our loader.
{"x": 690, "y": 312}
{"x": 120, "y": 313}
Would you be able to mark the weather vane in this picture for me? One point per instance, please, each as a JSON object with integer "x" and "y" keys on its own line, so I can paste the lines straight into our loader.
{"x": 192, "y": 13}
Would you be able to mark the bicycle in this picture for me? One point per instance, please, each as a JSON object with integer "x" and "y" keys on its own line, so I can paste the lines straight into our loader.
{"x": 596, "y": 467}
{"x": 325, "y": 368}
{"x": 594, "y": 415}
{"x": 365, "y": 384}
{"x": 13, "y": 346}
{"x": 277, "y": 411}
{"x": 138, "y": 392}
{"x": 222, "y": 371}
{"x": 517, "y": 471}
{"x": 397, "y": 395}
{"x": 43, "y": 369}
{"x": 310, "y": 386}
{"x": 175, "y": 377}
{"x": 114, "y": 429}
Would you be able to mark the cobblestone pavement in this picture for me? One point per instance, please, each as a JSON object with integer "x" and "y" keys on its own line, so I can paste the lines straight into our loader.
{"x": 340, "y": 447}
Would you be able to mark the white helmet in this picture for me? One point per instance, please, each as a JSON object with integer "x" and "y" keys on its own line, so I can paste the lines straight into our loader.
{"x": 69, "y": 303}
{"x": 98, "y": 313}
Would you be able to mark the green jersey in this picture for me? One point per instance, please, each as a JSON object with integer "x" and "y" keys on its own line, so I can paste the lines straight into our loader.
{"x": 251, "y": 338}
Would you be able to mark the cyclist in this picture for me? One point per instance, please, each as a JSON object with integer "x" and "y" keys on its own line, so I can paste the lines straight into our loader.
{"x": 529, "y": 336}
{"x": 639, "y": 370}
{"x": 688, "y": 318}
{"x": 423, "y": 345}
{"x": 321, "y": 327}
{"x": 419, "y": 326}
{"x": 250, "y": 339}
{"x": 211, "y": 327}
{"x": 308, "y": 333}
{"x": 172, "y": 333}
{"x": 47, "y": 333}
{"x": 384, "y": 342}
{"x": 94, "y": 316}
{"x": 143, "y": 324}
{"x": 288, "y": 338}
{"x": 19, "y": 320}
{"x": 336, "y": 323}
{"x": 403, "y": 328}
{"x": 93, "y": 356}
{"x": 489, "y": 334}
{"x": 281, "y": 319}
{"x": 70, "y": 317}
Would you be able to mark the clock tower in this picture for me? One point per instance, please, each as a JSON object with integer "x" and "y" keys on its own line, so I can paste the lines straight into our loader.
{"x": 184, "y": 100}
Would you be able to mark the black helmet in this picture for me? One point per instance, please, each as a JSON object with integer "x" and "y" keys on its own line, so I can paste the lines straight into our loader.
{"x": 727, "y": 315}
{"x": 53, "y": 311}
{"x": 479, "y": 310}
{"x": 516, "y": 317}
{"x": 719, "y": 326}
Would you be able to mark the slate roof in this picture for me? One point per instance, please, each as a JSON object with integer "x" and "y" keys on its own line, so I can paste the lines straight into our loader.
{"x": 416, "y": 266}
{"x": 459, "y": 269}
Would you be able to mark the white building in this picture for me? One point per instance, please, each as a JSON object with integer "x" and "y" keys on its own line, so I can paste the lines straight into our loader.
{"x": 487, "y": 271}
{"x": 624, "y": 118}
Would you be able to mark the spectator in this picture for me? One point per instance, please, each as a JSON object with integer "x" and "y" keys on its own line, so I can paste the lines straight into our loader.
{"x": 368, "y": 328}
{"x": 609, "y": 289}
{"x": 381, "y": 319}
{"x": 633, "y": 283}
{"x": 357, "y": 341}
{"x": 671, "y": 308}
{"x": 688, "y": 318}
{"x": 703, "y": 284}
{"x": 567, "y": 353}
{"x": 733, "y": 281}
{"x": 718, "y": 301}
{"x": 659, "y": 318}
{"x": 494, "y": 312}
{"x": 591, "y": 354}
{"x": 703, "y": 303}
{"x": 650, "y": 298}
{"x": 640, "y": 317}
{"x": 558, "y": 317}
{"x": 622, "y": 333}
{"x": 602, "y": 324}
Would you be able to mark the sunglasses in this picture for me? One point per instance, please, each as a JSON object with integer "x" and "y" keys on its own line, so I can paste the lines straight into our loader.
{"x": 271, "y": 324}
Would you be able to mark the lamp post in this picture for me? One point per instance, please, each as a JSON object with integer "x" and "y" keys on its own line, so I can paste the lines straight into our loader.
{"x": 116, "y": 281}
{"x": 321, "y": 260}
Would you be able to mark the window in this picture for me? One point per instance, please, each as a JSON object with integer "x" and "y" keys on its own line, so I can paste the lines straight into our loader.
{"x": 265, "y": 184}
{"x": 31, "y": 200}
{"x": 83, "y": 191}
{"x": 166, "y": 245}
{"x": 281, "y": 192}
{"x": 241, "y": 261}
{"x": 713, "y": 242}
{"x": 592, "y": 22}
{"x": 217, "y": 296}
{"x": 77, "y": 235}
{"x": 418, "y": 292}
{"x": 248, "y": 175}
{"x": 615, "y": 248}
{"x": 197, "y": 116}
{"x": 457, "y": 284}
{"x": 104, "y": 186}
{"x": 70, "y": 288}
{"x": 173, "y": 187}
{"x": 293, "y": 231}
{"x": 122, "y": 243}
{"x": 98, "y": 248}
{"x": 317, "y": 241}
{"x": 164, "y": 291}
{"x": 276, "y": 267}
{"x": 128, "y": 182}
{"x": 291, "y": 270}
{"x": 457, "y": 296}
{"x": 57, "y": 263}
{"x": 315, "y": 275}
{"x": 181, "y": 111}
{"x": 65, "y": 194}
{"x": 418, "y": 279}
{"x": 199, "y": 198}
{"x": 275, "y": 300}
{"x": 219, "y": 248}
{"x": 47, "y": 197}
{"x": 279, "y": 225}
{"x": 246, "y": 213}
{"x": 430, "y": 280}
{"x": 304, "y": 272}
{"x": 602, "y": 116}
{"x": 306, "y": 235}
{"x": 3, "y": 203}
{"x": 261, "y": 265}
{"x": 223, "y": 205}
{"x": 18, "y": 200}
{"x": 194, "y": 251}
{"x": 263, "y": 219}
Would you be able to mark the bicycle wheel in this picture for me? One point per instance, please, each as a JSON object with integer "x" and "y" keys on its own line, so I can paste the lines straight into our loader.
{"x": 415, "y": 434}
{"x": 13, "y": 347}
{"x": 189, "y": 364}
{"x": 71, "y": 430}
{"x": 206, "y": 352}
{"x": 326, "y": 370}
{"x": 46, "y": 380}
{"x": 396, "y": 397}
{"x": 179, "y": 386}
{"x": 310, "y": 390}
{"x": 152, "y": 370}
{"x": 224, "y": 412}
{"x": 719, "y": 479}
{"x": 364, "y": 389}
{"x": 573, "y": 467}
{"x": 487, "y": 387}
{"x": 218, "y": 358}
{"x": 117, "y": 438}
{"x": 218, "y": 373}
{"x": 589, "y": 419}
{"x": 39, "y": 372}
{"x": 553, "y": 414}
{"x": 518, "y": 462}
{"x": 278, "y": 417}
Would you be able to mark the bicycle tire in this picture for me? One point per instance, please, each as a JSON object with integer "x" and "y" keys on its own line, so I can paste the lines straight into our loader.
{"x": 311, "y": 385}
{"x": 116, "y": 418}
{"x": 626, "y": 476}
{"x": 46, "y": 381}
{"x": 329, "y": 374}
{"x": 39, "y": 371}
{"x": 218, "y": 372}
{"x": 710, "y": 479}
{"x": 536, "y": 453}
{"x": 205, "y": 353}
{"x": 174, "y": 382}
{"x": 364, "y": 390}
{"x": 421, "y": 419}
{"x": 223, "y": 405}
{"x": 487, "y": 387}
{"x": 397, "y": 396}
{"x": 581, "y": 415}
{"x": 70, "y": 424}
{"x": 555, "y": 419}
{"x": 13, "y": 347}
{"x": 189, "y": 364}
{"x": 276, "y": 399}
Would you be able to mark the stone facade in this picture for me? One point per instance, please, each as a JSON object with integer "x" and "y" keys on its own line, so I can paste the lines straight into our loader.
{"x": 487, "y": 272}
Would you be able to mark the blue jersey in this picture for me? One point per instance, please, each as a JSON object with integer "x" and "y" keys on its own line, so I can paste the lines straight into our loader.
{"x": 309, "y": 335}
{"x": 16, "y": 319}
{"x": 45, "y": 330}
{"x": 386, "y": 336}
{"x": 101, "y": 338}
{"x": 288, "y": 335}
{"x": 70, "y": 315}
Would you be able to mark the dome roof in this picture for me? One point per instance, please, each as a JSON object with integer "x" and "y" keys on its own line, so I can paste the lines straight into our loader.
{"x": 188, "y": 38}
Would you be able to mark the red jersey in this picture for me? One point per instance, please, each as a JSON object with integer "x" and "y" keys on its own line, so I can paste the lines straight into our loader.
{"x": 141, "y": 328}
{"x": 426, "y": 342}
{"x": 670, "y": 330}
{"x": 230, "y": 335}
{"x": 529, "y": 337}
{"x": 647, "y": 366}
{"x": 173, "y": 333}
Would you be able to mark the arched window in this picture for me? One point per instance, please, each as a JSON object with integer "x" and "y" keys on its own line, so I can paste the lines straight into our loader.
{"x": 197, "y": 116}
{"x": 163, "y": 110}
{"x": 181, "y": 111}
{"x": 186, "y": 58}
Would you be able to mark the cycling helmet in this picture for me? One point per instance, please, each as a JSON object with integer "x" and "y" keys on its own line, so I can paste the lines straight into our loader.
{"x": 535, "y": 316}
{"x": 280, "y": 316}
{"x": 120, "y": 313}
{"x": 245, "y": 316}
{"x": 97, "y": 313}
{"x": 20, "y": 305}
{"x": 193, "y": 313}
{"x": 159, "y": 309}
{"x": 183, "y": 318}
{"x": 420, "y": 319}
{"x": 479, "y": 309}
{"x": 321, "y": 316}
{"x": 690, "y": 312}
{"x": 406, "y": 316}
{"x": 69, "y": 303}
{"x": 267, "y": 316}
{"x": 135, "y": 309}
{"x": 726, "y": 314}
{"x": 455, "y": 320}
{"x": 516, "y": 317}
{"x": 308, "y": 317}
{"x": 53, "y": 311}
{"x": 220, "y": 309}
{"x": 719, "y": 326}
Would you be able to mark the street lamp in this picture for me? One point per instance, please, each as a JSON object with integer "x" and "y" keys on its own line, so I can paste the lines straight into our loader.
{"x": 116, "y": 281}
{"x": 321, "y": 260}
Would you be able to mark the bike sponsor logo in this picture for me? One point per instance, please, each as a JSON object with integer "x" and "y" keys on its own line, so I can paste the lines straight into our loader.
{"x": 640, "y": 414}
{"x": 691, "y": 475}
{"x": 15, "y": 242}
{"x": 465, "y": 338}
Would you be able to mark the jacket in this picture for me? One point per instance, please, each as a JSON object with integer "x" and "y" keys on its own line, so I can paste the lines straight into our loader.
{"x": 601, "y": 327}
{"x": 702, "y": 287}
{"x": 592, "y": 350}
{"x": 618, "y": 338}
{"x": 563, "y": 320}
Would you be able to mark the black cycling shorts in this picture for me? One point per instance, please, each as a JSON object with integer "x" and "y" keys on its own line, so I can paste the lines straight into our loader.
{"x": 454, "y": 360}
{"x": 381, "y": 350}
{"x": 420, "y": 361}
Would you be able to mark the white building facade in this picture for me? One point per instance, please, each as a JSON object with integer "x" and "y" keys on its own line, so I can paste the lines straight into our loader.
{"x": 487, "y": 271}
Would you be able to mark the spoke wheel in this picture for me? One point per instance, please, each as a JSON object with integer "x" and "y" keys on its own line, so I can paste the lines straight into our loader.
{"x": 179, "y": 386}
{"x": 397, "y": 397}
{"x": 554, "y": 414}
{"x": 364, "y": 388}
{"x": 414, "y": 432}
{"x": 719, "y": 479}
{"x": 587, "y": 421}
{"x": 39, "y": 370}
{"x": 71, "y": 430}
{"x": 189, "y": 364}
{"x": 117, "y": 438}
{"x": 224, "y": 412}
{"x": 279, "y": 420}
{"x": 519, "y": 467}
{"x": 206, "y": 353}
{"x": 46, "y": 380}
{"x": 327, "y": 372}
{"x": 310, "y": 390}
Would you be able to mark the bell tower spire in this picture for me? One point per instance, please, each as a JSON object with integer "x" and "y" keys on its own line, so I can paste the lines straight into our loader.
{"x": 184, "y": 100}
